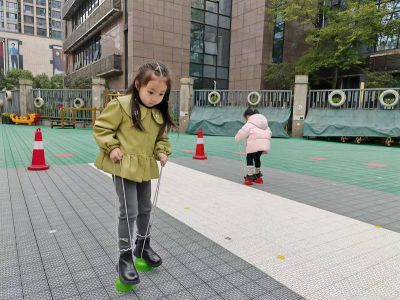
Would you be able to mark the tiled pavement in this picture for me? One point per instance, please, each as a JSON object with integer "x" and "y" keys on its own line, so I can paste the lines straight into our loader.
{"x": 57, "y": 230}
{"x": 360, "y": 203}
{"x": 58, "y": 242}
{"x": 316, "y": 253}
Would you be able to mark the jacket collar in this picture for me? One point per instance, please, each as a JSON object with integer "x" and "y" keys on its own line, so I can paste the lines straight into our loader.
{"x": 125, "y": 102}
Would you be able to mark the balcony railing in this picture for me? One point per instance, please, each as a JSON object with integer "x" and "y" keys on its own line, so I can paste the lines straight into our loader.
{"x": 105, "y": 67}
{"x": 70, "y": 7}
{"x": 93, "y": 24}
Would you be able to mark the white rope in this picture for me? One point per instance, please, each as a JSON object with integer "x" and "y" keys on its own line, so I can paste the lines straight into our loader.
{"x": 127, "y": 217}
{"x": 154, "y": 204}
{"x": 116, "y": 221}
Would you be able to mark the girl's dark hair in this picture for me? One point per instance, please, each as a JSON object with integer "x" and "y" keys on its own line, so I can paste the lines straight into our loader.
{"x": 250, "y": 111}
{"x": 145, "y": 74}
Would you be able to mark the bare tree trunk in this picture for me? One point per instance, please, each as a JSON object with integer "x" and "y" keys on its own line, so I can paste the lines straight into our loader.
{"x": 335, "y": 78}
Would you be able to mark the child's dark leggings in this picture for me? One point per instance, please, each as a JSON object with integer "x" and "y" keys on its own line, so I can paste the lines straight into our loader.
{"x": 255, "y": 156}
{"x": 138, "y": 200}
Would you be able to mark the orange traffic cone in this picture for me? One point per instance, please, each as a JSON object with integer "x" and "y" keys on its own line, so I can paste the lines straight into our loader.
{"x": 200, "y": 146}
{"x": 38, "y": 159}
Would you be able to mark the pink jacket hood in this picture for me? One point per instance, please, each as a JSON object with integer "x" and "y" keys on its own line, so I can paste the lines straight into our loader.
{"x": 259, "y": 121}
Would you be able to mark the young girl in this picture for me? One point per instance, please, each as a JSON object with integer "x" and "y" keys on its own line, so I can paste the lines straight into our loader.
{"x": 258, "y": 141}
{"x": 132, "y": 134}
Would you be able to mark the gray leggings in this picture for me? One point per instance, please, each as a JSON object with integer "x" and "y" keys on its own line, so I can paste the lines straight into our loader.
{"x": 138, "y": 200}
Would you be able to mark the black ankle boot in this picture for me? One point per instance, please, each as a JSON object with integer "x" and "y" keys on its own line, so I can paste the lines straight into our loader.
{"x": 150, "y": 257}
{"x": 127, "y": 270}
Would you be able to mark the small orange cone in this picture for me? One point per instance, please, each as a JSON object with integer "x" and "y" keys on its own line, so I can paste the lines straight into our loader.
{"x": 38, "y": 159}
{"x": 200, "y": 146}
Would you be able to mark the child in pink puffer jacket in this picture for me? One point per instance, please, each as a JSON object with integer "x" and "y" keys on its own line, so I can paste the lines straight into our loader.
{"x": 258, "y": 141}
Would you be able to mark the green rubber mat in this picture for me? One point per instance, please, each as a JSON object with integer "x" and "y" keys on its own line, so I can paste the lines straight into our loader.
{"x": 372, "y": 166}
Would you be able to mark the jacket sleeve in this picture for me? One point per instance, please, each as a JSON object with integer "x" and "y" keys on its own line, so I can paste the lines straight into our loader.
{"x": 106, "y": 126}
{"x": 243, "y": 133}
{"x": 162, "y": 145}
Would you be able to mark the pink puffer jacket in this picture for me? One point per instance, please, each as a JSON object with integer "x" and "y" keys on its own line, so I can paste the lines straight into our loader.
{"x": 257, "y": 133}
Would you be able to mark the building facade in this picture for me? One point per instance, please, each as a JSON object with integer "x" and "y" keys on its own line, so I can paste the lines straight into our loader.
{"x": 227, "y": 44}
{"x": 201, "y": 39}
{"x": 112, "y": 38}
{"x": 31, "y": 33}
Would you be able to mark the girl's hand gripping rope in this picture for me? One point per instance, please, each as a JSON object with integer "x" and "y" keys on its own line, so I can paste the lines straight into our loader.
{"x": 163, "y": 159}
{"x": 116, "y": 155}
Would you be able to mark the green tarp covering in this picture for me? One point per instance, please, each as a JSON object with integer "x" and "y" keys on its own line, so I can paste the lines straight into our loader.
{"x": 227, "y": 121}
{"x": 352, "y": 122}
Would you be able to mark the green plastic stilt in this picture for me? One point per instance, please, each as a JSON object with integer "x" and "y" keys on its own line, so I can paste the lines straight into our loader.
{"x": 142, "y": 265}
{"x": 122, "y": 287}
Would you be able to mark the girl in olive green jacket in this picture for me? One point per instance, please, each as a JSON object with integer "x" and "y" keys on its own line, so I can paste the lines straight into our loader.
{"x": 132, "y": 134}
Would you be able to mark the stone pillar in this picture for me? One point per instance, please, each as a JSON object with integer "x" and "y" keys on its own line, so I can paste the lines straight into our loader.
{"x": 299, "y": 104}
{"x": 185, "y": 102}
{"x": 98, "y": 87}
{"x": 25, "y": 97}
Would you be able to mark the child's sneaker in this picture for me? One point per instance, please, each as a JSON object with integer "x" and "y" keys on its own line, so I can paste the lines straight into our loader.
{"x": 258, "y": 178}
{"x": 248, "y": 179}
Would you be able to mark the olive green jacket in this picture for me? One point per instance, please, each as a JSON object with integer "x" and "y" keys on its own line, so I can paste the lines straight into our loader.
{"x": 114, "y": 129}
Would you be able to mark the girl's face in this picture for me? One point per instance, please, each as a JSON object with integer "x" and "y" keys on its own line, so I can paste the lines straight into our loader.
{"x": 153, "y": 93}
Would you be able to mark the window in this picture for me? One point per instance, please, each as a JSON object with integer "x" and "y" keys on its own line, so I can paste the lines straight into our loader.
{"x": 41, "y": 31}
{"x": 12, "y": 27}
{"x": 28, "y": 1}
{"x": 56, "y": 24}
{"x": 210, "y": 34}
{"x": 212, "y": 6}
{"x": 84, "y": 11}
{"x": 222, "y": 73}
{"x": 196, "y": 38}
{"x": 198, "y": 4}
{"x": 196, "y": 70}
{"x": 209, "y": 71}
{"x": 224, "y": 22}
{"x": 210, "y": 43}
{"x": 210, "y": 60}
{"x": 385, "y": 42}
{"x": 223, "y": 47}
{"x": 12, "y": 7}
{"x": 56, "y": 35}
{"x": 40, "y": 22}
{"x": 41, "y": 2}
{"x": 1, "y": 15}
{"x": 197, "y": 15}
{"x": 278, "y": 38}
{"x": 28, "y": 30}
{"x": 87, "y": 54}
{"x": 55, "y": 14}
{"x": 12, "y": 17}
{"x": 225, "y": 7}
{"x": 29, "y": 19}
{"x": 28, "y": 9}
{"x": 56, "y": 4}
{"x": 211, "y": 19}
{"x": 40, "y": 11}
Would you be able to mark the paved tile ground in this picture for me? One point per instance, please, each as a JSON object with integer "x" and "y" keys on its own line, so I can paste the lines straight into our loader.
{"x": 58, "y": 241}
{"x": 57, "y": 229}
{"x": 370, "y": 166}
{"x": 367, "y": 205}
{"x": 316, "y": 253}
